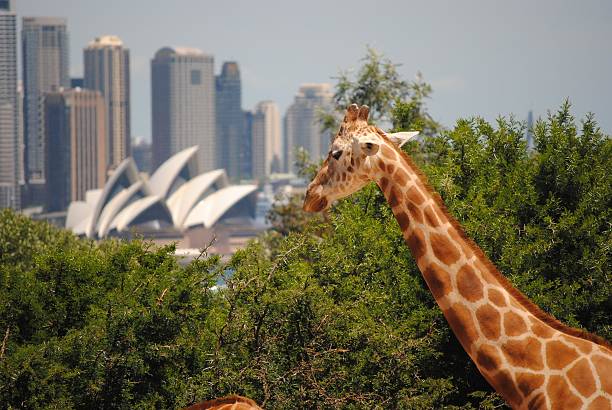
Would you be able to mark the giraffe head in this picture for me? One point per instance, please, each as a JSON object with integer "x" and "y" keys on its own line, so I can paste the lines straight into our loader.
{"x": 351, "y": 162}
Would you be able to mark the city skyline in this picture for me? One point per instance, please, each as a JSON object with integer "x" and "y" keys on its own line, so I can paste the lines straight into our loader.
{"x": 481, "y": 58}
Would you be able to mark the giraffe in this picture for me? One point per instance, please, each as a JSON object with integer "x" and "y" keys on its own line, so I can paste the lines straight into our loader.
{"x": 532, "y": 360}
{"x": 232, "y": 402}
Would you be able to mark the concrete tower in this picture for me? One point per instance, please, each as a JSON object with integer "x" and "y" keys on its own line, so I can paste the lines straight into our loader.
{"x": 266, "y": 140}
{"x": 107, "y": 69}
{"x": 230, "y": 124}
{"x": 183, "y": 105}
{"x": 45, "y": 69}
{"x": 9, "y": 111}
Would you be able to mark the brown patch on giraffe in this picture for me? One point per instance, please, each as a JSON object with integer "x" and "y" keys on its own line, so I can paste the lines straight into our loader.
{"x": 401, "y": 177}
{"x": 388, "y": 152}
{"x": 540, "y": 329}
{"x": 582, "y": 345}
{"x": 581, "y": 376}
{"x": 444, "y": 249}
{"x": 514, "y": 324}
{"x": 384, "y": 183}
{"x": 382, "y": 165}
{"x": 559, "y": 355}
{"x": 413, "y": 195}
{"x": 352, "y": 161}
{"x": 505, "y": 386}
{"x": 350, "y": 169}
{"x": 603, "y": 365}
{"x": 343, "y": 176}
{"x": 528, "y": 382}
{"x": 390, "y": 168}
{"x": 560, "y": 395}
{"x": 488, "y": 358}
{"x": 537, "y": 402}
{"x": 416, "y": 243}
{"x": 438, "y": 280}
{"x": 467, "y": 251}
{"x": 394, "y": 197}
{"x": 489, "y": 321}
{"x": 402, "y": 220}
{"x": 600, "y": 403}
{"x": 496, "y": 297}
{"x": 469, "y": 284}
{"x": 415, "y": 212}
{"x": 430, "y": 217}
{"x": 460, "y": 320}
{"x": 524, "y": 353}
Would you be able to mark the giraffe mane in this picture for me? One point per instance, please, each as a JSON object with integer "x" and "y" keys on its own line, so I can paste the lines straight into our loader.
{"x": 231, "y": 399}
{"x": 503, "y": 280}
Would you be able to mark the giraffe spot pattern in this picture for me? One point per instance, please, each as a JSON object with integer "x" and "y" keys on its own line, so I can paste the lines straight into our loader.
{"x": 403, "y": 220}
{"x": 390, "y": 168}
{"x": 401, "y": 177}
{"x": 560, "y": 395}
{"x": 384, "y": 183}
{"x": 467, "y": 251}
{"x": 507, "y": 388}
{"x": 528, "y": 382}
{"x": 603, "y": 365}
{"x": 524, "y": 353}
{"x": 382, "y": 166}
{"x": 496, "y": 297}
{"x": 488, "y": 358}
{"x": 559, "y": 355}
{"x": 394, "y": 197}
{"x": 413, "y": 195}
{"x": 444, "y": 249}
{"x": 430, "y": 217}
{"x": 460, "y": 320}
{"x": 537, "y": 402}
{"x": 489, "y": 321}
{"x": 581, "y": 377}
{"x": 514, "y": 325}
{"x": 600, "y": 403}
{"x": 468, "y": 283}
{"x": 415, "y": 212}
{"x": 416, "y": 243}
{"x": 540, "y": 329}
{"x": 438, "y": 280}
{"x": 582, "y": 345}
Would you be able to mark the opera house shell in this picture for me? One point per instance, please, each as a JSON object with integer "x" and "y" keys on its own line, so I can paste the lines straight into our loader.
{"x": 174, "y": 196}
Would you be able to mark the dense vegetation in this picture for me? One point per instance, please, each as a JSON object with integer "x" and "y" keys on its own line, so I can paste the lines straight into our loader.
{"x": 322, "y": 311}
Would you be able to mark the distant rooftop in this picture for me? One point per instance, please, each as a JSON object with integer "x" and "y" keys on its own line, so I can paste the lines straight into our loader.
{"x": 180, "y": 51}
{"x": 106, "y": 41}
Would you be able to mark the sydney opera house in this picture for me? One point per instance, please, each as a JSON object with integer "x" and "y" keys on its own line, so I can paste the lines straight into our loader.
{"x": 175, "y": 198}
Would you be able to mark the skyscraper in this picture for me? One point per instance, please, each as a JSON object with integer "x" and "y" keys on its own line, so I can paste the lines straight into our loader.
{"x": 230, "y": 124}
{"x": 302, "y": 125}
{"x": 266, "y": 140}
{"x": 183, "y": 105}
{"x": 75, "y": 129}
{"x": 9, "y": 111}
{"x": 107, "y": 69}
{"x": 45, "y": 69}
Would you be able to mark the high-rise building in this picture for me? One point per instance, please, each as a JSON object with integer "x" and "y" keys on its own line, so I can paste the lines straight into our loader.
{"x": 230, "y": 124}
{"x": 246, "y": 154}
{"x": 183, "y": 105}
{"x": 45, "y": 69}
{"x": 75, "y": 130}
{"x": 266, "y": 140}
{"x": 302, "y": 123}
{"x": 9, "y": 111}
{"x": 141, "y": 152}
{"x": 107, "y": 69}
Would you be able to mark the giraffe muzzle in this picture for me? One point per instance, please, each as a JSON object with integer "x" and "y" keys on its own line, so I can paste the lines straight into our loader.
{"x": 314, "y": 203}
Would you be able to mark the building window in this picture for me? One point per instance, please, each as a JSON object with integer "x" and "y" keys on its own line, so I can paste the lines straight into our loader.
{"x": 196, "y": 77}
{"x": 4, "y": 5}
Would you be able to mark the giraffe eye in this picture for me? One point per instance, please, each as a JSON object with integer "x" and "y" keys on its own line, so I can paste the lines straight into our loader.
{"x": 336, "y": 154}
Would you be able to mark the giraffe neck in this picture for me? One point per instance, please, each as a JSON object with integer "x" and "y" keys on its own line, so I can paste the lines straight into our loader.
{"x": 518, "y": 353}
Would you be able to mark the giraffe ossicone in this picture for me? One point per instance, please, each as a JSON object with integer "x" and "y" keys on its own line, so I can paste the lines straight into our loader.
{"x": 531, "y": 359}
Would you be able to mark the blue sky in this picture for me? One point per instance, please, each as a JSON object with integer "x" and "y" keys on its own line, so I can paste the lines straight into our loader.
{"x": 482, "y": 57}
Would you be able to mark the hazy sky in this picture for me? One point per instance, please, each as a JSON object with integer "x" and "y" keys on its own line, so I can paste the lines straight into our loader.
{"x": 482, "y": 57}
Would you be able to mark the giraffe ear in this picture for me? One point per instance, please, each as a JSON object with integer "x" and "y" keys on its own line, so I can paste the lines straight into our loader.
{"x": 400, "y": 138}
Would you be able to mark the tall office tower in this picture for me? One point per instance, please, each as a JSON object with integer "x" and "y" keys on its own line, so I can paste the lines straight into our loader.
{"x": 246, "y": 155}
{"x": 266, "y": 137}
{"x": 183, "y": 105}
{"x": 302, "y": 124}
{"x": 141, "y": 152}
{"x": 75, "y": 130}
{"x": 44, "y": 43}
{"x": 230, "y": 124}
{"x": 107, "y": 69}
{"x": 9, "y": 111}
